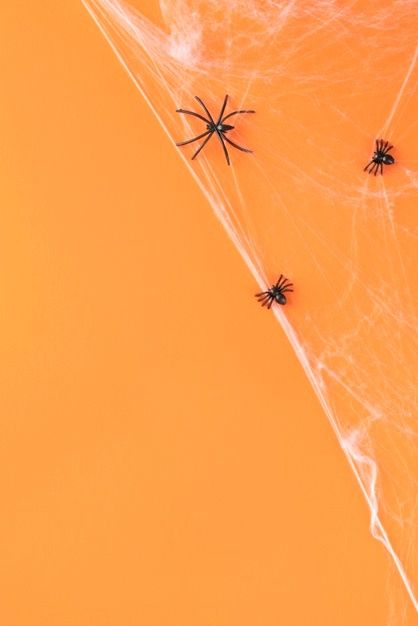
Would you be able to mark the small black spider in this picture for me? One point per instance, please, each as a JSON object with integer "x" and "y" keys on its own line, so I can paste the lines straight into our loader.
{"x": 380, "y": 157}
{"x": 218, "y": 127}
{"x": 275, "y": 293}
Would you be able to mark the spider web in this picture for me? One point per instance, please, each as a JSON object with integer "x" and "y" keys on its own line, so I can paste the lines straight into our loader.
{"x": 326, "y": 79}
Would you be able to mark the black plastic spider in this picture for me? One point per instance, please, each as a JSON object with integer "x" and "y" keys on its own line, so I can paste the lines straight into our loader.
{"x": 218, "y": 127}
{"x": 275, "y": 293}
{"x": 380, "y": 157}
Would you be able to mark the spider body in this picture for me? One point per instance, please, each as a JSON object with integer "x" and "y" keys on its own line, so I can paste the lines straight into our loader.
{"x": 219, "y": 128}
{"x": 380, "y": 157}
{"x": 222, "y": 128}
{"x": 275, "y": 293}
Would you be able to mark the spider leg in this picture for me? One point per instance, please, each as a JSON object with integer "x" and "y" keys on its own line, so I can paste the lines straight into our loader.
{"x": 222, "y": 110}
{"x": 236, "y": 113}
{"x": 265, "y": 301}
{"x": 206, "y": 110}
{"x": 286, "y": 285}
{"x": 263, "y": 296}
{"x": 381, "y": 169}
{"x": 368, "y": 165}
{"x": 262, "y": 293}
{"x": 203, "y": 144}
{"x": 183, "y": 143}
{"x": 278, "y": 282}
{"x": 283, "y": 283}
{"x": 194, "y": 114}
{"x": 286, "y": 289}
{"x": 235, "y": 144}
{"x": 378, "y": 145}
{"x": 221, "y": 139}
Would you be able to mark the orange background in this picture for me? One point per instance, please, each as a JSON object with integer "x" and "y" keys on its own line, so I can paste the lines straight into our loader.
{"x": 164, "y": 459}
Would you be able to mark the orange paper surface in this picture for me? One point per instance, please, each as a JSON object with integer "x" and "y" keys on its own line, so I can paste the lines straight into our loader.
{"x": 169, "y": 456}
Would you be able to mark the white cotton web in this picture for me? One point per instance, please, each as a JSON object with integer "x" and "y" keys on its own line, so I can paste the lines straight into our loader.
{"x": 326, "y": 79}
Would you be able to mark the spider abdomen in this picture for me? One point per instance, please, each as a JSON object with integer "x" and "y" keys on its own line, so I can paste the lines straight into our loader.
{"x": 225, "y": 127}
{"x": 388, "y": 159}
{"x": 280, "y": 298}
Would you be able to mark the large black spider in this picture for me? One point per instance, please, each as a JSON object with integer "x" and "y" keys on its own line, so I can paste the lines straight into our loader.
{"x": 275, "y": 293}
{"x": 219, "y": 127}
{"x": 380, "y": 157}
